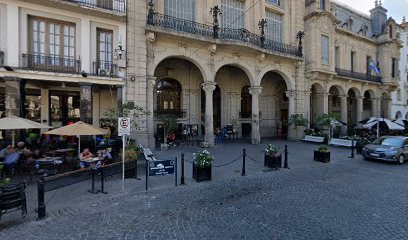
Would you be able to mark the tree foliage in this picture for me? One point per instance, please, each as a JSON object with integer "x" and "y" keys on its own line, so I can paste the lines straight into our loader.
{"x": 170, "y": 124}
{"x": 110, "y": 117}
{"x": 325, "y": 119}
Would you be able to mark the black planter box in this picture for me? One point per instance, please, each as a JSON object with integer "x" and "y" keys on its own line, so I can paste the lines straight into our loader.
{"x": 274, "y": 161}
{"x": 201, "y": 173}
{"x": 323, "y": 157}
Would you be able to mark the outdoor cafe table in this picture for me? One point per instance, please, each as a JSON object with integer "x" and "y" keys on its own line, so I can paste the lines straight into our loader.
{"x": 93, "y": 162}
{"x": 55, "y": 162}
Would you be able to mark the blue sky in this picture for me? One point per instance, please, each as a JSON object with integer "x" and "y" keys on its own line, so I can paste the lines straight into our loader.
{"x": 396, "y": 8}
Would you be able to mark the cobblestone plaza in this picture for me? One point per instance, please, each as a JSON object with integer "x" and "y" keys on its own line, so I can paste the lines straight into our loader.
{"x": 345, "y": 199}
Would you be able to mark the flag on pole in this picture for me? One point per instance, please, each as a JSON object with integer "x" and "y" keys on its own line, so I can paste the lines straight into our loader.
{"x": 374, "y": 67}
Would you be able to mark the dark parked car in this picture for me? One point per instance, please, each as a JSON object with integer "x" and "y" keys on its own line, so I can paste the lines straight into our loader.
{"x": 387, "y": 148}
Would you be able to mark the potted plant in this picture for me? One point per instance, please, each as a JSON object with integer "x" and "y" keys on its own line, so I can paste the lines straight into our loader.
{"x": 297, "y": 120}
{"x": 202, "y": 165}
{"x": 273, "y": 158}
{"x": 170, "y": 125}
{"x": 322, "y": 154}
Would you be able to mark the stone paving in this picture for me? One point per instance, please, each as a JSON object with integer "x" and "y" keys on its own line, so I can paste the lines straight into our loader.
{"x": 345, "y": 199}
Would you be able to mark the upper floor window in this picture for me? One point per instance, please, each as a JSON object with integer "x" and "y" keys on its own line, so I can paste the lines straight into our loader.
{"x": 394, "y": 68}
{"x": 184, "y": 9}
{"x": 104, "y": 49}
{"x": 274, "y": 2}
{"x": 337, "y": 57}
{"x": 274, "y": 26}
{"x": 232, "y": 14}
{"x": 54, "y": 39}
{"x": 322, "y": 5}
{"x": 353, "y": 61}
{"x": 325, "y": 49}
{"x": 399, "y": 95}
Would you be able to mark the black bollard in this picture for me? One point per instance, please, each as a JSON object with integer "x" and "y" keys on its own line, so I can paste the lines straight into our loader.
{"x": 175, "y": 171}
{"x": 102, "y": 181}
{"x": 285, "y": 165}
{"x": 182, "y": 169}
{"x": 41, "y": 197}
{"x": 147, "y": 172}
{"x": 243, "y": 162}
{"x": 352, "y": 148}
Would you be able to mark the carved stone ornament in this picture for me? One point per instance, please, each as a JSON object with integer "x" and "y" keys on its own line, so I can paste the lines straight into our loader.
{"x": 208, "y": 87}
{"x": 151, "y": 37}
{"x": 255, "y": 90}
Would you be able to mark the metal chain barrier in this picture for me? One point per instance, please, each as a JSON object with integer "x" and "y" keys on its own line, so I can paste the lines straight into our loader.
{"x": 229, "y": 162}
{"x": 253, "y": 159}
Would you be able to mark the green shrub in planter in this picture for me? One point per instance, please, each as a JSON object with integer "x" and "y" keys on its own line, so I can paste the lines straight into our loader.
{"x": 272, "y": 157}
{"x": 322, "y": 154}
{"x": 202, "y": 166}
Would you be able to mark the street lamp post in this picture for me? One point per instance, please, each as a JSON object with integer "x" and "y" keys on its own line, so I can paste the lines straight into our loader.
{"x": 262, "y": 24}
{"x": 215, "y": 11}
{"x": 150, "y": 11}
{"x": 300, "y": 35}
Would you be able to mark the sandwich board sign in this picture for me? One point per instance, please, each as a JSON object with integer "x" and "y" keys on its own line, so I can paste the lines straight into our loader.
{"x": 124, "y": 126}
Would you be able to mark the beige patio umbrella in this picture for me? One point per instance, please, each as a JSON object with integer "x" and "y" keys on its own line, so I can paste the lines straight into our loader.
{"x": 78, "y": 129}
{"x": 15, "y": 123}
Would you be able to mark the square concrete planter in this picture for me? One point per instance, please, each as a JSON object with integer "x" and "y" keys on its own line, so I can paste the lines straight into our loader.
{"x": 323, "y": 157}
{"x": 201, "y": 173}
{"x": 273, "y": 161}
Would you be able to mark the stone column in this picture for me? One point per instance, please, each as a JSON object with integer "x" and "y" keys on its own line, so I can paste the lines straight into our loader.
{"x": 255, "y": 135}
{"x": 13, "y": 98}
{"x": 151, "y": 82}
{"x": 45, "y": 107}
{"x": 209, "y": 88}
{"x": 374, "y": 107}
{"x": 326, "y": 103}
{"x": 291, "y": 131}
{"x": 86, "y": 102}
{"x": 343, "y": 112}
{"x": 359, "y": 115}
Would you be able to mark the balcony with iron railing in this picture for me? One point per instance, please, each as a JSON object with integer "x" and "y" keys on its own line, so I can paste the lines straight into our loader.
{"x": 240, "y": 35}
{"x": 175, "y": 112}
{"x": 104, "y": 69}
{"x": 358, "y": 75}
{"x": 116, "y": 6}
{"x": 50, "y": 63}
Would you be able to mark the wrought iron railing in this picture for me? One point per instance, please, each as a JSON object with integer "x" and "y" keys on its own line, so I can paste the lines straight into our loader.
{"x": 105, "y": 69}
{"x": 118, "y": 6}
{"x": 174, "y": 112}
{"x": 242, "y": 35}
{"x": 50, "y": 63}
{"x": 358, "y": 75}
{"x": 309, "y": 2}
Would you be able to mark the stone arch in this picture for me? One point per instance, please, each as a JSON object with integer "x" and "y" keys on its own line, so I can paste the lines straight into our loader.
{"x": 339, "y": 88}
{"x": 371, "y": 92}
{"x": 398, "y": 115}
{"x": 289, "y": 82}
{"x": 352, "y": 112}
{"x": 356, "y": 91}
{"x": 198, "y": 64}
{"x": 240, "y": 66}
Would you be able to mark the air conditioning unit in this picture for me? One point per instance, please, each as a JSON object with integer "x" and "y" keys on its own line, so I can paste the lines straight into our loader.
{"x": 102, "y": 72}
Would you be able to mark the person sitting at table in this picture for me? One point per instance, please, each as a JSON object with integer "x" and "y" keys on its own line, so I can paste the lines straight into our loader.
{"x": 4, "y": 152}
{"x": 21, "y": 148}
{"x": 36, "y": 155}
{"x": 84, "y": 156}
{"x": 11, "y": 159}
{"x": 105, "y": 156}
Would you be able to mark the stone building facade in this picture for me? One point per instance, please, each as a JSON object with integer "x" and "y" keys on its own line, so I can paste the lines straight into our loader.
{"x": 61, "y": 61}
{"x": 399, "y": 107}
{"x": 351, "y": 61}
{"x": 212, "y": 70}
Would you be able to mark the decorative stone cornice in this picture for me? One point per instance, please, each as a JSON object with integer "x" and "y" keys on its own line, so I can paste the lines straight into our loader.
{"x": 255, "y": 90}
{"x": 151, "y": 81}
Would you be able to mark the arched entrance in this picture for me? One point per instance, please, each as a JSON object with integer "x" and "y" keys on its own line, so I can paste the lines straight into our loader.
{"x": 367, "y": 105}
{"x": 175, "y": 91}
{"x": 233, "y": 84}
{"x": 334, "y": 100}
{"x": 274, "y": 106}
{"x": 385, "y": 105}
{"x": 398, "y": 115}
{"x": 352, "y": 107}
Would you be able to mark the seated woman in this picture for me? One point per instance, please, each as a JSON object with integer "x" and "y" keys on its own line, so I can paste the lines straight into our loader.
{"x": 105, "y": 156}
{"x": 85, "y": 155}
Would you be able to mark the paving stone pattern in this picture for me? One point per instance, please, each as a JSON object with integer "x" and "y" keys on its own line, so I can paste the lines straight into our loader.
{"x": 345, "y": 199}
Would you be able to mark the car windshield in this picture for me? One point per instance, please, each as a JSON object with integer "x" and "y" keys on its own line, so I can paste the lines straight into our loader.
{"x": 395, "y": 142}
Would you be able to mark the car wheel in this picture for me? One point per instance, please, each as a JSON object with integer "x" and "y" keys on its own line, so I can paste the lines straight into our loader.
{"x": 401, "y": 159}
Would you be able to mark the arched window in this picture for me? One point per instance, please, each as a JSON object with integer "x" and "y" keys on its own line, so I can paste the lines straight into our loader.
{"x": 168, "y": 96}
{"x": 246, "y": 103}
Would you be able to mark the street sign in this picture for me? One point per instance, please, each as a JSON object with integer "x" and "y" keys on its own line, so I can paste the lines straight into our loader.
{"x": 124, "y": 126}
{"x": 161, "y": 167}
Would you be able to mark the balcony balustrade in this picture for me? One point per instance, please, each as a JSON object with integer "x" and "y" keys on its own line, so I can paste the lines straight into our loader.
{"x": 241, "y": 35}
{"x": 357, "y": 75}
{"x": 50, "y": 63}
{"x": 117, "y": 6}
{"x": 105, "y": 69}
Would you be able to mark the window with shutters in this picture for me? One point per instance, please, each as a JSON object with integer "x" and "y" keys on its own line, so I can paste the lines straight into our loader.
{"x": 273, "y": 26}
{"x": 337, "y": 57}
{"x": 184, "y": 9}
{"x": 325, "y": 49}
{"x": 232, "y": 14}
{"x": 104, "y": 49}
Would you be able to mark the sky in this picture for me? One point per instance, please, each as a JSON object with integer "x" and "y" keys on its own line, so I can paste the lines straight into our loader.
{"x": 396, "y": 8}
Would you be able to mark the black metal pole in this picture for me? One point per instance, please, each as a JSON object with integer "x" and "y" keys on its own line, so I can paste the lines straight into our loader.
{"x": 175, "y": 171}
{"x": 285, "y": 165}
{"x": 182, "y": 169}
{"x": 102, "y": 182}
{"x": 352, "y": 148}
{"x": 136, "y": 177}
{"x": 243, "y": 162}
{"x": 147, "y": 172}
{"x": 93, "y": 181}
{"x": 41, "y": 197}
